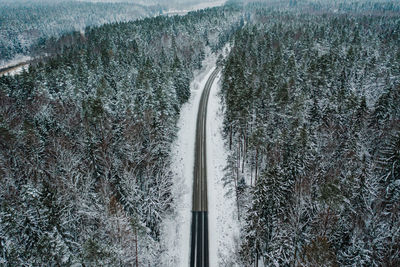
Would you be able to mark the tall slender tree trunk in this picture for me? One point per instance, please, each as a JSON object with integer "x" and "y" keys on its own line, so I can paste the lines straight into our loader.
{"x": 244, "y": 151}
{"x": 237, "y": 180}
{"x": 255, "y": 175}
{"x": 230, "y": 137}
{"x": 251, "y": 174}
{"x": 256, "y": 258}
{"x": 238, "y": 161}
{"x": 136, "y": 246}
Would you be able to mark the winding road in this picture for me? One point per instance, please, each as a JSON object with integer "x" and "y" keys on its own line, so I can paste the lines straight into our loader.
{"x": 199, "y": 231}
{"x": 7, "y": 70}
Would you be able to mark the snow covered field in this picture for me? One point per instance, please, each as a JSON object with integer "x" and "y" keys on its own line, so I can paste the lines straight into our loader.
{"x": 222, "y": 223}
{"x": 199, "y": 6}
{"x": 16, "y": 70}
{"x": 14, "y": 62}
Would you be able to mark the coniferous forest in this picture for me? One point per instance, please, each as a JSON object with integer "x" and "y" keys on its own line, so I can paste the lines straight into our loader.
{"x": 28, "y": 24}
{"x": 85, "y": 139}
{"x": 312, "y": 121}
{"x": 311, "y": 114}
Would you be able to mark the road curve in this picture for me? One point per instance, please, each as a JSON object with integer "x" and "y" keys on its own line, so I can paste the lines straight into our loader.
{"x": 199, "y": 231}
{"x": 6, "y": 70}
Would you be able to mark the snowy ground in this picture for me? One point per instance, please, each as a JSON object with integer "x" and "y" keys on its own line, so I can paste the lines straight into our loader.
{"x": 223, "y": 224}
{"x": 203, "y": 5}
{"x": 15, "y": 61}
{"x": 16, "y": 70}
{"x": 223, "y": 228}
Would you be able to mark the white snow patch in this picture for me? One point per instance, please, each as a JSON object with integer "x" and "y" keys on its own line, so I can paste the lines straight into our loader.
{"x": 223, "y": 223}
{"x": 176, "y": 229}
{"x": 17, "y": 70}
{"x": 210, "y": 4}
{"x": 203, "y": 5}
{"x": 17, "y": 60}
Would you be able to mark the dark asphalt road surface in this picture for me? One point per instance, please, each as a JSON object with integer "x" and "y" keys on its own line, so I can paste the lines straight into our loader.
{"x": 199, "y": 232}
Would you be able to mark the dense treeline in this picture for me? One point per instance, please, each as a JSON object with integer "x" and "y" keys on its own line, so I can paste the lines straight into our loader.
{"x": 85, "y": 137}
{"x": 29, "y": 23}
{"x": 312, "y": 120}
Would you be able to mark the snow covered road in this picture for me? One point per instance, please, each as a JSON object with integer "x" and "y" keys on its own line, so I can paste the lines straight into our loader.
{"x": 199, "y": 252}
{"x": 223, "y": 227}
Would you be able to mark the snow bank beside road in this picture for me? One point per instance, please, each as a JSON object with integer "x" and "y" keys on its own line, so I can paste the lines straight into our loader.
{"x": 222, "y": 215}
{"x": 17, "y": 60}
